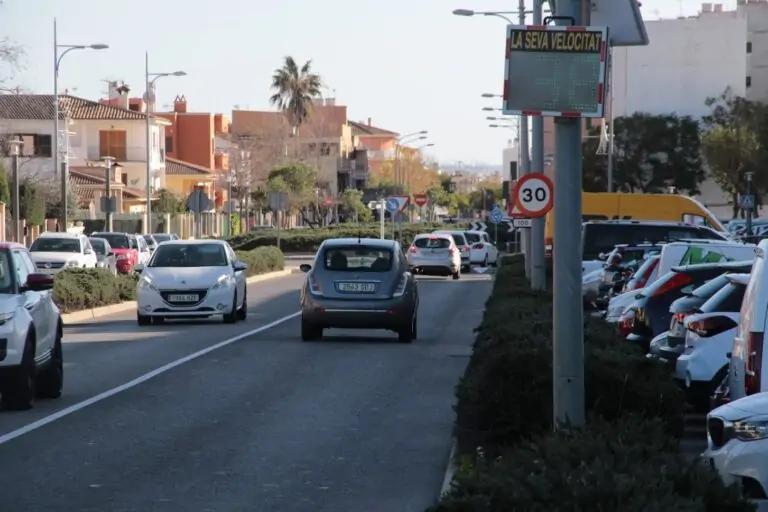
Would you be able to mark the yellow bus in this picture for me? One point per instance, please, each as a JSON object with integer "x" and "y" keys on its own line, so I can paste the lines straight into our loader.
{"x": 620, "y": 206}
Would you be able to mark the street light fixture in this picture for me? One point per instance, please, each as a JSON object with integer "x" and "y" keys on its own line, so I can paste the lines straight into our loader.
{"x": 150, "y": 84}
{"x": 498, "y": 14}
{"x": 489, "y": 95}
{"x": 420, "y": 135}
{"x": 56, "y": 66}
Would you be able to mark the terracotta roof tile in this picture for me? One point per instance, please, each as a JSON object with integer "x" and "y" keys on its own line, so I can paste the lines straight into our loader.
{"x": 40, "y": 106}
{"x": 364, "y": 129}
{"x": 179, "y": 168}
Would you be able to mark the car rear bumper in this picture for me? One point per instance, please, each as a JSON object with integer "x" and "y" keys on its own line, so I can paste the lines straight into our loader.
{"x": 393, "y": 314}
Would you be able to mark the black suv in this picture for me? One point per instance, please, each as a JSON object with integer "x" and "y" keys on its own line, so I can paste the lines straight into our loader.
{"x": 601, "y": 237}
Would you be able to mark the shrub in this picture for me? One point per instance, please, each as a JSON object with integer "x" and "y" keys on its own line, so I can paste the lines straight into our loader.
{"x": 626, "y": 465}
{"x": 262, "y": 260}
{"x": 76, "y": 289}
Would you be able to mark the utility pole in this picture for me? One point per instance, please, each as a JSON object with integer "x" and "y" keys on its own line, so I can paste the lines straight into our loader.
{"x": 536, "y": 250}
{"x": 568, "y": 321}
{"x": 525, "y": 162}
{"x": 750, "y": 210}
{"x": 108, "y": 161}
{"x": 16, "y": 146}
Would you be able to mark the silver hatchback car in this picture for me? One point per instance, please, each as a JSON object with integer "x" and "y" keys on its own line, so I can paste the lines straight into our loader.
{"x": 359, "y": 283}
{"x": 434, "y": 254}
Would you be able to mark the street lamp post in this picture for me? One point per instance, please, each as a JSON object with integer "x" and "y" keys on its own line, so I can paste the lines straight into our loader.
{"x": 57, "y": 143}
{"x": 149, "y": 82}
{"x": 421, "y": 135}
{"x": 108, "y": 163}
{"x": 15, "y": 149}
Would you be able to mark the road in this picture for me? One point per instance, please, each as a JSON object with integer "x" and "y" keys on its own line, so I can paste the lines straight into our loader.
{"x": 260, "y": 422}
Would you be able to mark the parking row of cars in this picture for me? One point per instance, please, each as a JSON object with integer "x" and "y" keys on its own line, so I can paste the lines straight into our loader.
{"x": 700, "y": 307}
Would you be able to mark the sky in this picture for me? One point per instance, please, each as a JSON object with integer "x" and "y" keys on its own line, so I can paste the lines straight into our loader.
{"x": 408, "y": 65}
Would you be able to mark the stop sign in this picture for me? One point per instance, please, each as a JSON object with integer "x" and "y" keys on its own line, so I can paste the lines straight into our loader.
{"x": 420, "y": 199}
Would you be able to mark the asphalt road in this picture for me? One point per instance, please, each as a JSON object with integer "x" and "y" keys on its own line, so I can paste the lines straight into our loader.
{"x": 261, "y": 422}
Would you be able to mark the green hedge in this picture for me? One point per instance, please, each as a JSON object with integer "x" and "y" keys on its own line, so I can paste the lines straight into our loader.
{"x": 626, "y": 458}
{"x": 78, "y": 289}
{"x": 308, "y": 240}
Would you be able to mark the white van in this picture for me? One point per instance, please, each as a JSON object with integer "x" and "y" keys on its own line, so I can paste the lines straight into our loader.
{"x": 693, "y": 252}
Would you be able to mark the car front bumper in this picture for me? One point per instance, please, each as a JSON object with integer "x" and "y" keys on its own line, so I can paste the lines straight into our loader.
{"x": 216, "y": 301}
{"x": 739, "y": 459}
{"x": 392, "y": 314}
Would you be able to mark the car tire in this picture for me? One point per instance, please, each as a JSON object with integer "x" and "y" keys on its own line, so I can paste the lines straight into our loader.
{"x": 50, "y": 381}
{"x": 406, "y": 334}
{"x": 143, "y": 320}
{"x": 158, "y": 320}
{"x": 242, "y": 313}
{"x": 310, "y": 331}
{"x": 231, "y": 318}
{"x": 18, "y": 392}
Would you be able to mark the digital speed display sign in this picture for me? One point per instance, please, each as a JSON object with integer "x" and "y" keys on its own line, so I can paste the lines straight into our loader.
{"x": 555, "y": 71}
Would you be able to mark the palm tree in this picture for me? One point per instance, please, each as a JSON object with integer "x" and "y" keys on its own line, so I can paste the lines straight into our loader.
{"x": 294, "y": 90}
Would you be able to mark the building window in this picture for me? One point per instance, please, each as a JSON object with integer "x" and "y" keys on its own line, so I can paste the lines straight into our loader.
{"x": 43, "y": 145}
{"x": 169, "y": 144}
{"x": 749, "y": 81}
{"x": 134, "y": 107}
{"x": 749, "y": 47}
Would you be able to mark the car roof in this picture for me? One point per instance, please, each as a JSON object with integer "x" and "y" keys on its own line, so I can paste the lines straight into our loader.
{"x": 97, "y": 233}
{"x": 195, "y": 242}
{"x": 724, "y": 266}
{"x": 640, "y": 223}
{"x": 447, "y": 236}
{"x": 649, "y": 245}
{"x": 371, "y": 242}
{"x": 451, "y": 231}
{"x": 60, "y": 234}
{"x": 5, "y": 246}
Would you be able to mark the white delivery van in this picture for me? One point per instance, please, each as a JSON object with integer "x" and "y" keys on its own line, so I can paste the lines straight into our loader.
{"x": 694, "y": 252}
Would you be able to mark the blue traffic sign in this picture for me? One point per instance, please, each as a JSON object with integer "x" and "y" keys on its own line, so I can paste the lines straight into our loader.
{"x": 495, "y": 207}
{"x": 392, "y": 205}
{"x": 496, "y": 216}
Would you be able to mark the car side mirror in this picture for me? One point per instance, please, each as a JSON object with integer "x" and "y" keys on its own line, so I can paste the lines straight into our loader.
{"x": 110, "y": 253}
{"x": 138, "y": 268}
{"x": 728, "y": 355}
{"x": 305, "y": 267}
{"x": 239, "y": 266}
{"x": 38, "y": 283}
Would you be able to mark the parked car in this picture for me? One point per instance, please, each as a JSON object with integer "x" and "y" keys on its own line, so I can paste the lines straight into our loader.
{"x": 482, "y": 251}
{"x": 434, "y": 254}
{"x": 106, "y": 257}
{"x": 164, "y": 237}
{"x": 127, "y": 253}
{"x": 460, "y": 239}
{"x": 53, "y": 252}
{"x": 644, "y": 275}
{"x": 151, "y": 242}
{"x": 708, "y": 340}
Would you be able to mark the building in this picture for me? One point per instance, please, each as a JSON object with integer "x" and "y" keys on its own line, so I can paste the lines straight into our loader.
{"x": 89, "y": 182}
{"x": 378, "y": 142}
{"x": 325, "y": 141}
{"x": 90, "y": 130}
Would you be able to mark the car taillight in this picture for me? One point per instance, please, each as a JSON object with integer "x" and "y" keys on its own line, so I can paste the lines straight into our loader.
{"x": 754, "y": 362}
{"x": 627, "y": 322}
{"x": 400, "y": 289}
{"x": 314, "y": 285}
{"x": 708, "y": 327}
{"x": 464, "y": 248}
{"x": 478, "y": 246}
{"x": 548, "y": 247}
{"x": 412, "y": 249}
{"x": 678, "y": 280}
{"x": 451, "y": 251}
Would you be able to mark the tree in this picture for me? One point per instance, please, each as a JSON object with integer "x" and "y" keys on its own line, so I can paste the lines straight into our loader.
{"x": 167, "y": 203}
{"x": 294, "y": 89}
{"x": 651, "y": 153}
{"x": 298, "y": 182}
{"x": 11, "y": 56}
{"x": 5, "y": 188}
{"x": 484, "y": 198}
{"x": 351, "y": 201}
{"x": 32, "y": 207}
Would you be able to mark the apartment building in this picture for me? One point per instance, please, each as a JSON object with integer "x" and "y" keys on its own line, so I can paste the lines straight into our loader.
{"x": 325, "y": 141}
{"x": 377, "y": 142}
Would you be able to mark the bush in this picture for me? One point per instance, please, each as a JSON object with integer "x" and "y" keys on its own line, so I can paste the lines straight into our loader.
{"x": 308, "y": 239}
{"x": 78, "y": 289}
{"x": 628, "y": 465}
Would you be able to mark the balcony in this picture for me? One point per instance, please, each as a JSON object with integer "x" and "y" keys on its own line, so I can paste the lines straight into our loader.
{"x": 381, "y": 155}
{"x": 119, "y": 153}
{"x": 221, "y": 161}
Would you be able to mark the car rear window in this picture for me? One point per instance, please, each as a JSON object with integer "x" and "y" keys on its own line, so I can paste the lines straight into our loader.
{"x": 602, "y": 238}
{"x": 472, "y": 237}
{"x": 432, "y": 243}
{"x": 459, "y": 240}
{"x": 117, "y": 241}
{"x": 727, "y": 300}
{"x": 358, "y": 258}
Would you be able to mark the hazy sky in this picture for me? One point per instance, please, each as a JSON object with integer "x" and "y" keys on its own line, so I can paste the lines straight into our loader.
{"x": 408, "y": 65}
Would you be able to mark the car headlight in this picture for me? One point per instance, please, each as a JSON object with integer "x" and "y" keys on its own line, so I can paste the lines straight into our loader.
{"x": 146, "y": 283}
{"x": 6, "y": 317}
{"x": 222, "y": 282}
{"x": 751, "y": 429}
{"x": 72, "y": 263}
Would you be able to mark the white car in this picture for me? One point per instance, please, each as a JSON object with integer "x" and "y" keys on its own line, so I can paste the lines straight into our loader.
{"x": 737, "y": 443}
{"x": 53, "y": 252}
{"x": 31, "y": 360}
{"x": 708, "y": 339}
{"x": 192, "y": 279}
{"x": 482, "y": 251}
{"x": 434, "y": 254}
{"x": 460, "y": 239}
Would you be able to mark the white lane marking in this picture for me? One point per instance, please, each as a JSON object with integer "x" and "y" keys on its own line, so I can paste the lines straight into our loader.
{"x": 26, "y": 429}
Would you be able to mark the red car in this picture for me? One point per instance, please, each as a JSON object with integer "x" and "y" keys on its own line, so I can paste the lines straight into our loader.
{"x": 126, "y": 253}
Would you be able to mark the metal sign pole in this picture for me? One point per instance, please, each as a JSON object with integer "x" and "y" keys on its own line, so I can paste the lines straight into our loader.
{"x": 536, "y": 250}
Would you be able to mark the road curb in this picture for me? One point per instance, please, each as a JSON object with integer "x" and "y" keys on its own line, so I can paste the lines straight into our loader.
{"x": 90, "y": 314}
{"x": 449, "y": 471}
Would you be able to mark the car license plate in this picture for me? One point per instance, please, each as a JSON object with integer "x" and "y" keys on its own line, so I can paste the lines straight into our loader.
{"x": 357, "y": 287}
{"x": 183, "y": 298}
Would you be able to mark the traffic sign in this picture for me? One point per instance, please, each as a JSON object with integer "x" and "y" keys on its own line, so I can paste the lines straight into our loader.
{"x": 198, "y": 201}
{"x": 496, "y": 215}
{"x": 534, "y": 195}
{"x": 420, "y": 199}
{"x": 555, "y": 70}
{"x": 397, "y": 203}
{"x": 522, "y": 223}
{"x": 746, "y": 201}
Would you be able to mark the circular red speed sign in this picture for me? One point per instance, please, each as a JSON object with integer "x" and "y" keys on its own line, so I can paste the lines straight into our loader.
{"x": 420, "y": 199}
{"x": 534, "y": 195}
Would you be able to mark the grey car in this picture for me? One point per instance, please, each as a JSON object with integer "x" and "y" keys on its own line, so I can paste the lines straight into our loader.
{"x": 105, "y": 256}
{"x": 359, "y": 283}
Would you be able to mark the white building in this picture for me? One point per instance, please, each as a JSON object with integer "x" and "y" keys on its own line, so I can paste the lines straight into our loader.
{"x": 691, "y": 59}
{"x": 90, "y": 132}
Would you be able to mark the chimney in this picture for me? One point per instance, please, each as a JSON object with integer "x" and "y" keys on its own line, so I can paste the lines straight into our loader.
{"x": 180, "y": 104}
{"x": 122, "y": 96}
{"x": 707, "y": 7}
{"x": 369, "y": 122}
{"x": 330, "y": 102}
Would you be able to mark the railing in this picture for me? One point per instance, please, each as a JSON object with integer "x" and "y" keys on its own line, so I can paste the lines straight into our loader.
{"x": 381, "y": 155}
{"x": 119, "y": 153}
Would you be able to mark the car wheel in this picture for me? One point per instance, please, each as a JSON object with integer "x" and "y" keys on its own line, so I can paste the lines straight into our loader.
{"x": 230, "y": 318}
{"x": 50, "y": 381}
{"x": 310, "y": 331}
{"x": 406, "y": 335}
{"x": 143, "y": 320}
{"x": 18, "y": 393}
{"x": 242, "y": 313}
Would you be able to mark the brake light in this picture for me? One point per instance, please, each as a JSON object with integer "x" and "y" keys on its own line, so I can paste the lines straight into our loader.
{"x": 451, "y": 251}
{"x": 680, "y": 317}
{"x": 708, "y": 327}
{"x": 478, "y": 246}
{"x": 548, "y": 247}
{"x": 754, "y": 362}
{"x": 314, "y": 285}
{"x": 401, "y": 285}
{"x": 677, "y": 281}
{"x": 464, "y": 248}
{"x": 627, "y": 322}
{"x": 412, "y": 249}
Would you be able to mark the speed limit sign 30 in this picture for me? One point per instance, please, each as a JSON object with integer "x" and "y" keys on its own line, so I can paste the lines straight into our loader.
{"x": 534, "y": 195}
